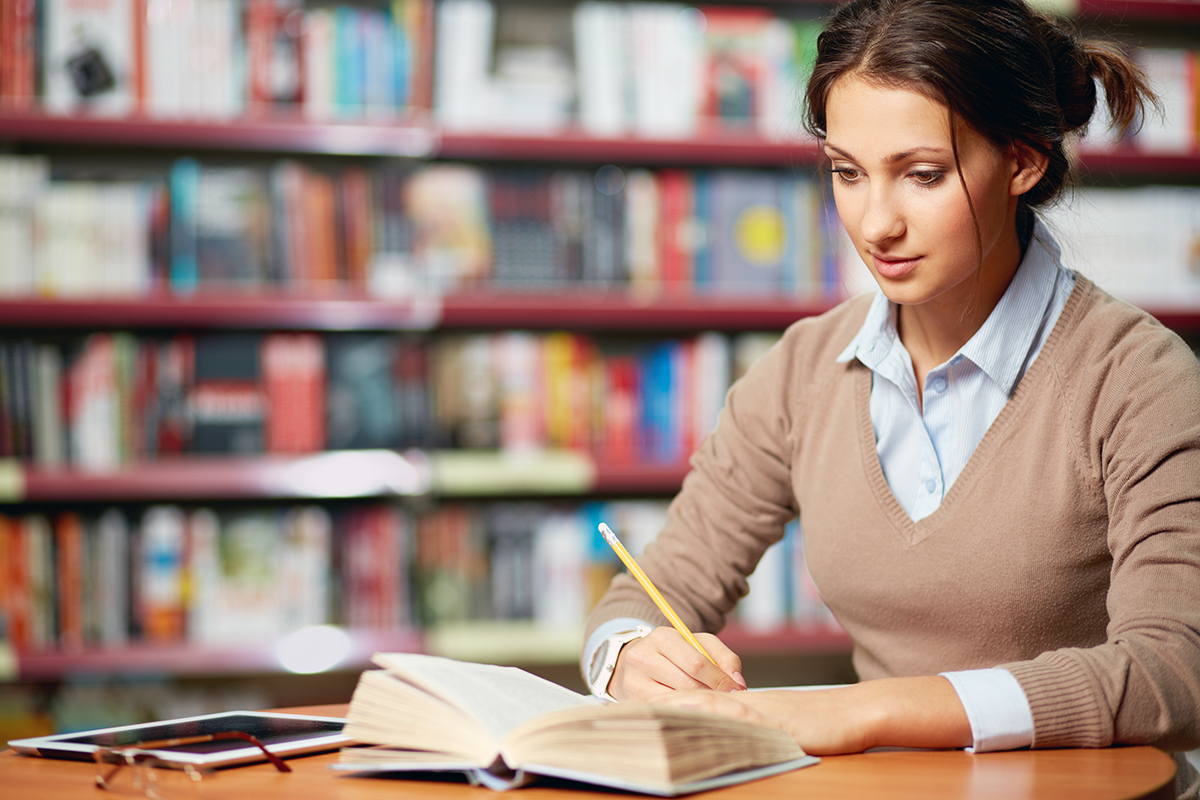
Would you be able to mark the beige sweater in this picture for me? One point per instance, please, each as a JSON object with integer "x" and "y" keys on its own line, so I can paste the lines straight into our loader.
{"x": 1067, "y": 551}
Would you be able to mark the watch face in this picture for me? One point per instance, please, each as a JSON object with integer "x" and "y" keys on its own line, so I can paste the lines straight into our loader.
{"x": 597, "y": 665}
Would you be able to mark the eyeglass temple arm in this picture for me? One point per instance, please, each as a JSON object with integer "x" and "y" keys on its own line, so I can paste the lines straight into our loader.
{"x": 212, "y": 737}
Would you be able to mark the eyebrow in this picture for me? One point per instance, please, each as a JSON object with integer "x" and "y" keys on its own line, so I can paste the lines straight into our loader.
{"x": 894, "y": 157}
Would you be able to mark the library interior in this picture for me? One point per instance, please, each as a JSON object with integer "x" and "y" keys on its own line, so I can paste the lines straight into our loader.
{"x": 336, "y": 327}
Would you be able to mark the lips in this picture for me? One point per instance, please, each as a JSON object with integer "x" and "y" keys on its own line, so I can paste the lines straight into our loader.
{"x": 892, "y": 267}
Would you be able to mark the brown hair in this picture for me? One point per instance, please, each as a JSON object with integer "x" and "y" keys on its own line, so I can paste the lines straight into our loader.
{"x": 1011, "y": 73}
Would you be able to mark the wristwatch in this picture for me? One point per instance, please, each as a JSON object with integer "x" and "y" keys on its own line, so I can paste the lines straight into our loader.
{"x": 604, "y": 661}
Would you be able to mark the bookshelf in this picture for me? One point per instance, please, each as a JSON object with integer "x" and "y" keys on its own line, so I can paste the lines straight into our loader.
{"x": 521, "y": 646}
{"x": 273, "y": 132}
{"x": 474, "y": 310}
{"x": 429, "y": 475}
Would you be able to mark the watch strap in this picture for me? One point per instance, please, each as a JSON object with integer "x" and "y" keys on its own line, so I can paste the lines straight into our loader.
{"x": 612, "y": 650}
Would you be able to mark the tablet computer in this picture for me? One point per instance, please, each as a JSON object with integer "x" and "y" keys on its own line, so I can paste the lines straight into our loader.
{"x": 283, "y": 734}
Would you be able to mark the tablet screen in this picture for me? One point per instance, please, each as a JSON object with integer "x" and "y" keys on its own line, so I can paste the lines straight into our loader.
{"x": 267, "y": 729}
{"x": 283, "y": 734}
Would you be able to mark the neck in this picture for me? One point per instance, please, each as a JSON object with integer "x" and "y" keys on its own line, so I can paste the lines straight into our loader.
{"x": 933, "y": 331}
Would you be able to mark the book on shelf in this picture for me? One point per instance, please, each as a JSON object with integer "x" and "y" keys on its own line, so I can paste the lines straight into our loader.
{"x": 18, "y": 54}
{"x": 256, "y": 575}
{"x": 504, "y": 727}
{"x": 88, "y": 57}
{"x": 22, "y": 180}
{"x": 413, "y": 230}
{"x": 295, "y": 388}
{"x": 1173, "y": 126}
{"x": 111, "y": 399}
{"x": 225, "y": 399}
{"x": 375, "y": 548}
{"x": 214, "y": 59}
{"x": 363, "y": 403}
{"x": 736, "y": 66}
{"x": 245, "y": 577}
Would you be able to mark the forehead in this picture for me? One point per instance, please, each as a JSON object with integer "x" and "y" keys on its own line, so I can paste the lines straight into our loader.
{"x": 865, "y": 116}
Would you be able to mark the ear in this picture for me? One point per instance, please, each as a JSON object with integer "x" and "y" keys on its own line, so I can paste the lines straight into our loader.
{"x": 1029, "y": 165}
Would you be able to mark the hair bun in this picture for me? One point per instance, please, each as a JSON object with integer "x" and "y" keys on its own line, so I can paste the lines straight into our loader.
{"x": 1074, "y": 74}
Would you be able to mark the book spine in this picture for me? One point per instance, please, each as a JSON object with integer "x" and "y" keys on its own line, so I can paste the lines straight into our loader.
{"x": 69, "y": 580}
{"x": 39, "y": 559}
{"x": 160, "y": 598}
{"x": 14, "y": 589}
{"x": 185, "y": 190}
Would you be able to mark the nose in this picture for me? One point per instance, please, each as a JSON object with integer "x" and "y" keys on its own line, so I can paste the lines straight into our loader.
{"x": 883, "y": 217}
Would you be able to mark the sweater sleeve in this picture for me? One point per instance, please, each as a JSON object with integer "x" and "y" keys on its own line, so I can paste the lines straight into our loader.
{"x": 734, "y": 504}
{"x": 1139, "y": 444}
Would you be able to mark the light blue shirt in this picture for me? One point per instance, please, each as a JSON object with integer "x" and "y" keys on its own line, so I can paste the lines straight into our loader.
{"x": 923, "y": 450}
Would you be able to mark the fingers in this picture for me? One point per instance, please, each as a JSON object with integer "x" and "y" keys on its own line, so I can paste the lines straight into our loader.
{"x": 664, "y": 661}
{"x": 726, "y": 659}
{"x": 728, "y": 704}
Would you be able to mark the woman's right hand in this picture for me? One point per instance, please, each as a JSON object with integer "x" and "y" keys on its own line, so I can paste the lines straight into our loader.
{"x": 664, "y": 661}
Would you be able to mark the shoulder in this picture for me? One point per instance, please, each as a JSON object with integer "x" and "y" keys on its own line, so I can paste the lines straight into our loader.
{"x": 1112, "y": 340}
{"x": 803, "y": 360}
{"x": 812, "y": 345}
{"x": 1119, "y": 364}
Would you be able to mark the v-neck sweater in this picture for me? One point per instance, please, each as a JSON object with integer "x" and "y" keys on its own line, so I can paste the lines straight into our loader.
{"x": 1067, "y": 552}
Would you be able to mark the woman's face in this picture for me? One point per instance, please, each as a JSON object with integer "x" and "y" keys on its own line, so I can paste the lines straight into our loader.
{"x": 902, "y": 202}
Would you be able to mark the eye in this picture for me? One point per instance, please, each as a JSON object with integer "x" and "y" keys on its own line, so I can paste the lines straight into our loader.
{"x": 846, "y": 174}
{"x": 927, "y": 177}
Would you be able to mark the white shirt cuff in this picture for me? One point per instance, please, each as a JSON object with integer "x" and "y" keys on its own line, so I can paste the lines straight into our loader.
{"x": 605, "y": 630}
{"x": 996, "y": 707}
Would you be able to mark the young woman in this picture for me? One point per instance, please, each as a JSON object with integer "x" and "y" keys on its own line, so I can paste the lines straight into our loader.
{"x": 996, "y": 464}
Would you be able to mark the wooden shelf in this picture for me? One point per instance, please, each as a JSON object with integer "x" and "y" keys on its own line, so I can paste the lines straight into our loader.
{"x": 1123, "y": 162}
{"x": 581, "y": 310}
{"x": 330, "y": 475}
{"x": 260, "y": 310}
{"x": 786, "y": 640}
{"x": 481, "y": 310}
{"x": 276, "y": 133}
{"x": 733, "y": 149}
{"x": 340, "y": 474}
{"x": 294, "y": 135}
{"x": 639, "y": 479}
{"x": 577, "y": 310}
{"x": 188, "y": 660}
{"x": 1140, "y": 10}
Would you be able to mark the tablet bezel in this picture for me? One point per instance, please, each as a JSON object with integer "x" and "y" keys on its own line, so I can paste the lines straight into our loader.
{"x": 56, "y": 746}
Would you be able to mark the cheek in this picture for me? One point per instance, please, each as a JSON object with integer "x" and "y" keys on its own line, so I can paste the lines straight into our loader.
{"x": 946, "y": 216}
{"x": 849, "y": 209}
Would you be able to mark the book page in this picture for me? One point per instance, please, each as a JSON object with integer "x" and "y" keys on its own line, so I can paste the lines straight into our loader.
{"x": 653, "y": 746}
{"x": 499, "y": 698}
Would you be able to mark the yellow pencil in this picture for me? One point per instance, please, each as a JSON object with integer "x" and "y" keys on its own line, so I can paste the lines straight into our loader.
{"x": 658, "y": 599}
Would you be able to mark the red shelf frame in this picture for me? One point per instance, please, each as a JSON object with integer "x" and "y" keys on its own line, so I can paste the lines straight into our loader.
{"x": 329, "y": 475}
{"x": 734, "y": 149}
{"x": 1123, "y": 162}
{"x": 192, "y": 660}
{"x": 423, "y": 140}
{"x": 625, "y": 311}
{"x": 639, "y": 478}
{"x": 215, "y": 310}
{"x": 476, "y": 309}
{"x": 482, "y": 310}
{"x": 1141, "y": 10}
{"x": 279, "y": 133}
{"x": 792, "y": 639}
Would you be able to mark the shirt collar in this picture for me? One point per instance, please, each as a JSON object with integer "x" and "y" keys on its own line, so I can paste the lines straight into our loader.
{"x": 1000, "y": 347}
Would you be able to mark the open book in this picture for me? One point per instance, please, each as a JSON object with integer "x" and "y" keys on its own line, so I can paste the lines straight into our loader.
{"x": 502, "y": 727}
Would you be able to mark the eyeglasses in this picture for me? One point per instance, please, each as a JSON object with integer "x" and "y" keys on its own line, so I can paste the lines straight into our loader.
{"x": 155, "y": 777}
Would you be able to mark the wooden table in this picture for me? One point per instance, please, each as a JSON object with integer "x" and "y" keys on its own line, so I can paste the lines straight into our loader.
{"x": 1108, "y": 774}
